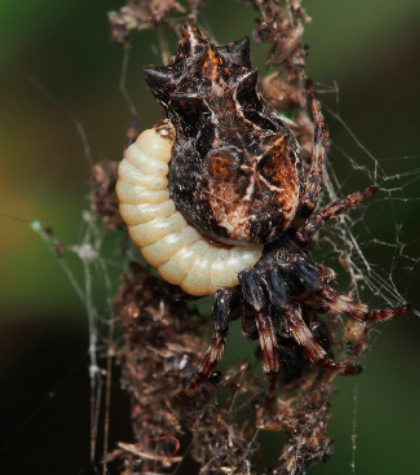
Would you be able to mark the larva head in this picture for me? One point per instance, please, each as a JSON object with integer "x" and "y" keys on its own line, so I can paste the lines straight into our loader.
{"x": 234, "y": 172}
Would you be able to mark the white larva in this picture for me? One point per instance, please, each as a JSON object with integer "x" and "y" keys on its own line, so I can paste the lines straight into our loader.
{"x": 180, "y": 253}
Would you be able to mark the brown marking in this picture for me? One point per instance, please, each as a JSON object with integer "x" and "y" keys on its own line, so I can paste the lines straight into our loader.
{"x": 212, "y": 63}
{"x": 278, "y": 170}
{"x": 261, "y": 189}
{"x": 192, "y": 41}
{"x": 268, "y": 164}
{"x": 219, "y": 166}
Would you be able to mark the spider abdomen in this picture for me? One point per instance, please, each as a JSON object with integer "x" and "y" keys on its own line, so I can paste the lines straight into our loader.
{"x": 180, "y": 253}
{"x": 235, "y": 167}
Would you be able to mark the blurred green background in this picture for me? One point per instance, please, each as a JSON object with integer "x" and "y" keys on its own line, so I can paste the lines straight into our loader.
{"x": 371, "y": 49}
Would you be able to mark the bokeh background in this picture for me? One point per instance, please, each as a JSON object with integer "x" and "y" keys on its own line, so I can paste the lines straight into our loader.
{"x": 371, "y": 49}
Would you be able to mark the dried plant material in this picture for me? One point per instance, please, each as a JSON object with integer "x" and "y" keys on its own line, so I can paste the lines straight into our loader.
{"x": 161, "y": 351}
{"x": 357, "y": 336}
{"x": 103, "y": 197}
{"x": 307, "y": 428}
{"x": 281, "y": 23}
{"x": 144, "y": 14}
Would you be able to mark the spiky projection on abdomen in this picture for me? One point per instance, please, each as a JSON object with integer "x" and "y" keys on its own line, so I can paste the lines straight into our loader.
{"x": 234, "y": 172}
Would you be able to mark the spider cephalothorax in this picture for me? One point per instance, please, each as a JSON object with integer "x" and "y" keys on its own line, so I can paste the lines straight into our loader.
{"x": 211, "y": 196}
{"x": 235, "y": 169}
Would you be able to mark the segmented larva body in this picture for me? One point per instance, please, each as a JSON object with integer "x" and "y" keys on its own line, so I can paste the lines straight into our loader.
{"x": 180, "y": 253}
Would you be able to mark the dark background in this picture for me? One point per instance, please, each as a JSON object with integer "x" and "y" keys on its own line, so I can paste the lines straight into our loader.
{"x": 371, "y": 49}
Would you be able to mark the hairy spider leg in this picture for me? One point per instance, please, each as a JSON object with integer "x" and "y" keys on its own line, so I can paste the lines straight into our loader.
{"x": 255, "y": 298}
{"x": 225, "y": 301}
{"x": 249, "y": 325}
{"x": 313, "y": 350}
{"x": 318, "y": 329}
{"x": 252, "y": 290}
{"x": 358, "y": 311}
{"x": 309, "y": 200}
{"x": 278, "y": 293}
{"x": 311, "y": 225}
{"x": 271, "y": 363}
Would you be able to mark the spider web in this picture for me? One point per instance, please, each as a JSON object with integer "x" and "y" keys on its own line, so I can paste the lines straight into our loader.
{"x": 380, "y": 263}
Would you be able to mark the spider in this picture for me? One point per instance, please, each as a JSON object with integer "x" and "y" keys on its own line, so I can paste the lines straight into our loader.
{"x": 216, "y": 199}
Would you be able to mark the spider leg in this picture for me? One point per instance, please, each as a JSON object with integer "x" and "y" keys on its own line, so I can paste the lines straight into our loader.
{"x": 276, "y": 286}
{"x": 359, "y": 311}
{"x": 309, "y": 200}
{"x": 304, "y": 234}
{"x": 309, "y": 277}
{"x": 271, "y": 362}
{"x": 277, "y": 290}
{"x": 249, "y": 325}
{"x": 251, "y": 289}
{"x": 256, "y": 300}
{"x": 226, "y": 299}
{"x": 316, "y": 327}
{"x": 311, "y": 347}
